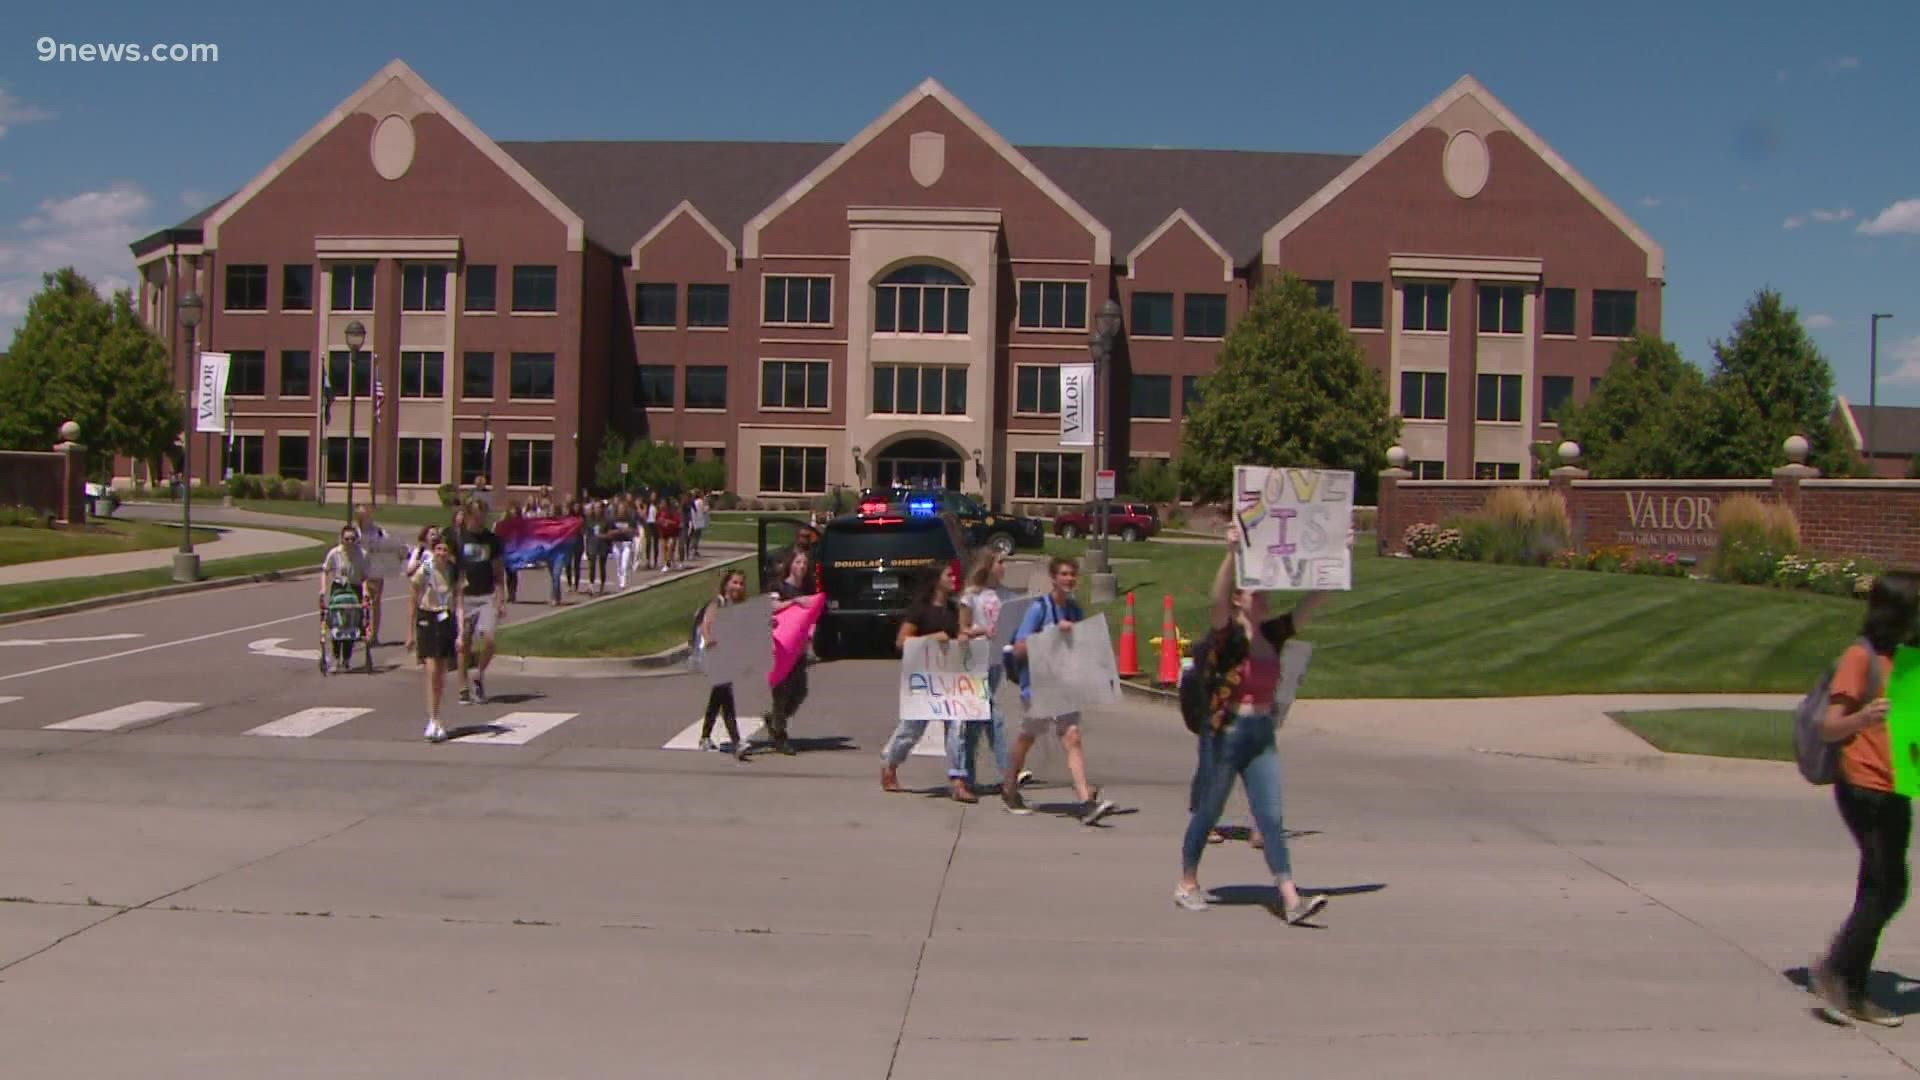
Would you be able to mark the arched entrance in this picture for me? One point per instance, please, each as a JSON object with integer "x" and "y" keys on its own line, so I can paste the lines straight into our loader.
{"x": 918, "y": 462}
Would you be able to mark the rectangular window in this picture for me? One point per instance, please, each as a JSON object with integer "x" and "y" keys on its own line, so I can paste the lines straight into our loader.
{"x": 912, "y": 389}
{"x": 536, "y": 288}
{"x": 1556, "y": 392}
{"x": 1153, "y": 314}
{"x": 653, "y": 386}
{"x": 797, "y": 301}
{"x": 246, "y": 288}
{"x": 422, "y": 375}
{"x": 1036, "y": 390}
{"x": 1369, "y": 306}
{"x": 296, "y": 287}
{"x": 337, "y": 459}
{"x": 1502, "y": 308}
{"x": 707, "y": 305}
{"x": 293, "y": 456}
{"x": 246, "y": 455}
{"x": 689, "y": 454}
{"x": 1426, "y": 306}
{"x": 473, "y": 460}
{"x": 793, "y": 384}
{"x": 1499, "y": 398}
{"x": 296, "y": 373}
{"x": 1614, "y": 313}
{"x": 481, "y": 288}
{"x": 419, "y": 460}
{"x": 338, "y": 384}
{"x": 706, "y": 386}
{"x": 352, "y": 289}
{"x": 247, "y": 373}
{"x": 656, "y": 305}
{"x": 920, "y": 309}
{"x": 1428, "y": 470}
{"x": 793, "y": 470}
{"x": 1189, "y": 394}
{"x": 1150, "y": 397}
{"x": 529, "y": 463}
{"x": 1496, "y": 470}
{"x": 1206, "y": 315}
{"x": 476, "y": 376}
{"x": 1053, "y": 305}
{"x": 1322, "y": 293}
{"x": 423, "y": 287}
{"x": 1423, "y": 395}
{"x": 530, "y": 377}
{"x": 1046, "y": 475}
{"x": 1557, "y": 320}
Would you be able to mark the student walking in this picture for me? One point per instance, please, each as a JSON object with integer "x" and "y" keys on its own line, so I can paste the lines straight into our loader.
{"x": 790, "y": 692}
{"x": 419, "y": 553}
{"x": 979, "y": 613}
{"x": 1880, "y": 820}
{"x": 1057, "y": 608}
{"x": 733, "y": 590}
{"x": 482, "y": 566}
{"x": 936, "y": 617}
{"x": 435, "y": 586}
{"x": 373, "y": 539}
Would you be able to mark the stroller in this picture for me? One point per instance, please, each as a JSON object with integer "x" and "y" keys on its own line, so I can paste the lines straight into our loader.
{"x": 344, "y": 625}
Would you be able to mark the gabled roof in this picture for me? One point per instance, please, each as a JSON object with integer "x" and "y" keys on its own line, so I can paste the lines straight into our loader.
{"x": 1896, "y": 428}
{"x": 186, "y": 232}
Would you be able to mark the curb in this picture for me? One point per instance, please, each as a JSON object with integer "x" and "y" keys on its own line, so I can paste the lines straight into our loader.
{"x": 1169, "y": 698}
{"x": 114, "y": 599}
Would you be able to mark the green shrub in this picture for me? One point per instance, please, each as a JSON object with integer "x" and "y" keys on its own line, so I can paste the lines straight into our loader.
{"x": 22, "y": 517}
{"x": 449, "y": 494}
{"x": 1366, "y": 518}
{"x": 1433, "y": 542}
{"x": 1516, "y": 526}
{"x": 1154, "y": 482}
{"x": 1754, "y": 537}
{"x": 1176, "y": 518}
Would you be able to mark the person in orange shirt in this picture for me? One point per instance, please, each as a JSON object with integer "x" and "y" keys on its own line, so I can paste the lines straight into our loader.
{"x": 1880, "y": 820}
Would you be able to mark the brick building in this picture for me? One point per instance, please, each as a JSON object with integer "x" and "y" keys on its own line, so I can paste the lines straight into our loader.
{"x": 893, "y": 307}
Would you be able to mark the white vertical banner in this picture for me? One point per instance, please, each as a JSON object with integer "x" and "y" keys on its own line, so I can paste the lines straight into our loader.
{"x": 210, "y": 402}
{"x": 1076, "y": 404}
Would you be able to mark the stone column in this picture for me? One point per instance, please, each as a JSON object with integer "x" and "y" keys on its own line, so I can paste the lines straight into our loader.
{"x": 1787, "y": 478}
{"x": 1561, "y": 480}
{"x": 73, "y": 482}
{"x": 1387, "y": 527}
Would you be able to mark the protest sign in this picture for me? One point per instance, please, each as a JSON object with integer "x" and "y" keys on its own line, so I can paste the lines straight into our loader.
{"x": 945, "y": 680}
{"x": 1903, "y": 720}
{"x": 1294, "y": 525}
{"x": 386, "y": 555}
{"x": 742, "y": 653}
{"x": 1072, "y": 670}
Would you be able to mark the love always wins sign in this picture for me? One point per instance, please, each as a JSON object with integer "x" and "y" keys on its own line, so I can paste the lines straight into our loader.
{"x": 1294, "y": 525}
{"x": 945, "y": 680}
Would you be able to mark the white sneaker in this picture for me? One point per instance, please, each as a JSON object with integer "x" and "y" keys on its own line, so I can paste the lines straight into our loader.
{"x": 435, "y": 733}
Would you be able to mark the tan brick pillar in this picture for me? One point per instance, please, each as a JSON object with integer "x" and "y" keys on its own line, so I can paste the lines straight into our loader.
{"x": 1388, "y": 531}
{"x": 1787, "y": 478}
{"x": 73, "y": 480}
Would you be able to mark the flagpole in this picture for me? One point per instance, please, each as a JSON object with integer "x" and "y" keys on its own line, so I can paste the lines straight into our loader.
{"x": 373, "y": 438}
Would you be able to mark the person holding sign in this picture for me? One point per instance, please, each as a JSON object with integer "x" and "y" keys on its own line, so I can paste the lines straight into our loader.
{"x": 733, "y": 590}
{"x": 936, "y": 618}
{"x": 373, "y": 539}
{"x": 1878, "y": 816}
{"x": 790, "y": 691}
{"x": 1243, "y": 672}
{"x": 1060, "y": 610}
{"x": 980, "y": 607}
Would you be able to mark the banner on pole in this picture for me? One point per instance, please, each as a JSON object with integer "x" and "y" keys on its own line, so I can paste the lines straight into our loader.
{"x": 1294, "y": 525}
{"x": 210, "y": 400}
{"x": 945, "y": 680}
{"x": 1074, "y": 670}
{"x": 1076, "y": 404}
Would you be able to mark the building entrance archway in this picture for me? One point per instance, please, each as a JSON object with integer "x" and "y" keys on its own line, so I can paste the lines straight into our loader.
{"x": 919, "y": 462}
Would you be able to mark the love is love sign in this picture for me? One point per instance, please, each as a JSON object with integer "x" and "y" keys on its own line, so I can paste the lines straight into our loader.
{"x": 1294, "y": 527}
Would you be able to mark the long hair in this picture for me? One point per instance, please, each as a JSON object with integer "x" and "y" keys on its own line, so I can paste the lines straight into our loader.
{"x": 929, "y": 587}
{"x": 982, "y": 569}
{"x": 1893, "y": 611}
{"x": 727, "y": 579}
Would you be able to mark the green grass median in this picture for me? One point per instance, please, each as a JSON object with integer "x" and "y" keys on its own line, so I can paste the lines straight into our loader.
{"x": 66, "y": 590}
{"x": 1761, "y": 734}
{"x": 638, "y": 624}
{"x": 25, "y": 544}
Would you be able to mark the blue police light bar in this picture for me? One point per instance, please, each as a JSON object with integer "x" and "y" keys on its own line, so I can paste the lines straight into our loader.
{"x": 923, "y": 507}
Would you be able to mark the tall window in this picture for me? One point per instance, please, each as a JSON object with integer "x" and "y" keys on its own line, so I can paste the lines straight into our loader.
{"x": 1556, "y": 393}
{"x": 1046, "y": 475}
{"x": 247, "y": 455}
{"x": 247, "y": 373}
{"x": 920, "y": 299}
{"x": 1036, "y": 390}
{"x": 1206, "y": 315}
{"x": 337, "y": 459}
{"x": 707, "y": 305}
{"x": 529, "y": 462}
{"x": 1557, "y": 320}
{"x": 337, "y": 384}
{"x": 1189, "y": 393}
{"x": 1053, "y": 305}
{"x": 1369, "y": 306}
{"x": 419, "y": 460}
{"x": 293, "y": 456}
{"x": 1152, "y": 314}
{"x": 1426, "y": 306}
{"x": 296, "y": 373}
{"x": 246, "y": 288}
{"x": 423, "y": 287}
{"x": 473, "y": 460}
{"x": 797, "y": 301}
{"x": 1150, "y": 397}
{"x": 530, "y": 377}
{"x": 1614, "y": 313}
{"x": 910, "y": 388}
{"x": 296, "y": 287}
{"x": 1499, "y": 399}
{"x": 482, "y": 283}
{"x": 793, "y": 384}
{"x": 706, "y": 386}
{"x": 1322, "y": 293}
{"x": 476, "y": 375}
{"x": 1502, "y": 308}
{"x": 422, "y": 374}
{"x": 1423, "y": 395}
{"x": 793, "y": 470}
{"x": 1428, "y": 470}
{"x": 656, "y": 305}
{"x": 535, "y": 288}
{"x": 653, "y": 386}
{"x": 352, "y": 289}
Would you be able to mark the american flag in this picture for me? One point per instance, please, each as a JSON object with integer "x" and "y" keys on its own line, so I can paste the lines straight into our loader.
{"x": 379, "y": 392}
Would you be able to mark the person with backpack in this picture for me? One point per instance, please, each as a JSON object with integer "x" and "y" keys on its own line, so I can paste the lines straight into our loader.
{"x": 733, "y": 590}
{"x": 980, "y": 608}
{"x": 1057, "y": 608}
{"x": 1853, "y": 727}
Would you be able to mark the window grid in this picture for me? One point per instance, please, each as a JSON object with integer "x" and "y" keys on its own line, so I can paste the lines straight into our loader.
{"x": 793, "y": 470}
{"x": 530, "y": 377}
{"x": 656, "y": 304}
{"x": 473, "y": 460}
{"x": 246, "y": 455}
{"x": 799, "y": 385}
{"x": 423, "y": 287}
{"x": 1153, "y": 314}
{"x": 1205, "y": 315}
{"x": 1150, "y": 397}
{"x": 529, "y": 463}
{"x": 797, "y": 300}
{"x": 1502, "y": 309}
{"x": 1046, "y": 475}
{"x": 337, "y": 459}
{"x": 1557, "y": 319}
{"x": 1036, "y": 390}
{"x": 1425, "y": 307}
{"x": 535, "y": 289}
{"x": 293, "y": 456}
{"x": 1423, "y": 395}
{"x": 1428, "y": 470}
{"x": 913, "y": 389}
{"x": 1556, "y": 393}
{"x": 482, "y": 286}
{"x": 1053, "y": 305}
{"x": 352, "y": 289}
{"x": 476, "y": 376}
{"x": 1499, "y": 399}
{"x": 296, "y": 373}
{"x": 653, "y": 386}
{"x": 247, "y": 373}
{"x": 1496, "y": 470}
{"x": 246, "y": 288}
{"x": 706, "y": 386}
{"x": 422, "y": 375}
{"x": 708, "y": 305}
{"x": 296, "y": 287}
{"x": 1614, "y": 313}
{"x": 1369, "y": 306}
{"x": 921, "y": 299}
{"x": 419, "y": 460}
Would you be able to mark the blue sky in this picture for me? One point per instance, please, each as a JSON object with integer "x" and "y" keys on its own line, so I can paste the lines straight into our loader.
{"x": 1761, "y": 149}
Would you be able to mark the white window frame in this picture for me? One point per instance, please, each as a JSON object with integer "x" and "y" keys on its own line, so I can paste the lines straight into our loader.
{"x": 761, "y": 381}
{"x": 1055, "y": 368}
{"x": 420, "y": 437}
{"x": 1059, "y": 456}
{"x": 529, "y": 439}
{"x": 826, "y": 457}
{"x": 832, "y": 285}
{"x": 921, "y": 371}
{"x": 1426, "y": 307}
{"x": 1086, "y": 316}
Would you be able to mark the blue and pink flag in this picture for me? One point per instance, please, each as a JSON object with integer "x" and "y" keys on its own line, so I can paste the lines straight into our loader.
{"x": 527, "y": 541}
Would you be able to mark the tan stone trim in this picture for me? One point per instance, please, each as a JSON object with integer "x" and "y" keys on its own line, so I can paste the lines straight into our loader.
{"x": 398, "y": 70}
{"x": 1466, "y": 87}
{"x": 1854, "y": 436}
{"x": 1102, "y": 236}
{"x": 168, "y": 251}
{"x": 817, "y": 258}
{"x": 361, "y": 248}
{"x": 303, "y": 415}
{"x": 1179, "y": 217}
{"x": 1865, "y": 484}
{"x": 793, "y": 427}
{"x": 800, "y": 341}
{"x": 1026, "y": 260}
{"x": 1058, "y": 346}
{"x": 1517, "y": 269}
{"x": 972, "y": 219}
{"x": 1623, "y": 484}
{"x": 686, "y": 207}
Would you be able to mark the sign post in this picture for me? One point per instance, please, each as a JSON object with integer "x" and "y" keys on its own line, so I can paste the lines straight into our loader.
{"x": 1103, "y": 484}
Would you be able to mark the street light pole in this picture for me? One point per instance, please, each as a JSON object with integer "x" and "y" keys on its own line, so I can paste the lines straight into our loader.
{"x": 356, "y": 337}
{"x": 1106, "y": 334}
{"x": 1873, "y": 382}
{"x": 186, "y": 563}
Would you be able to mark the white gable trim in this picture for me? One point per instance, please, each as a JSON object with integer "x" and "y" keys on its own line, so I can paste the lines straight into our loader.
{"x": 1178, "y": 217}
{"x": 1468, "y": 86}
{"x": 576, "y": 228}
{"x": 1858, "y": 442}
{"x": 686, "y": 207}
{"x": 1102, "y": 236}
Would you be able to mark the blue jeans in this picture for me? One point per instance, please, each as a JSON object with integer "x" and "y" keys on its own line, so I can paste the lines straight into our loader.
{"x": 1246, "y": 750}
{"x": 964, "y": 739}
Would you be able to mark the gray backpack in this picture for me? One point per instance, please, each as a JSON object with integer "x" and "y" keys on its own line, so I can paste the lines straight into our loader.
{"x": 1819, "y": 760}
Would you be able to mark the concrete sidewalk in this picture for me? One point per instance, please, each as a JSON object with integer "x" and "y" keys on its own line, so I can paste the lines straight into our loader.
{"x": 231, "y": 543}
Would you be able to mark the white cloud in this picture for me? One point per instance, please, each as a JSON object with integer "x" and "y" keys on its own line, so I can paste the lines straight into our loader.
{"x": 1819, "y": 322}
{"x": 89, "y": 231}
{"x": 1793, "y": 222}
{"x": 14, "y": 111}
{"x": 1841, "y": 213}
{"x": 1906, "y": 362}
{"x": 1651, "y": 201}
{"x": 1843, "y": 63}
{"x": 1901, "y": 217}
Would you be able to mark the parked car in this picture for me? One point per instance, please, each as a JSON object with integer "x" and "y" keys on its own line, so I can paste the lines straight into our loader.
{"x": 1002, "y": 532}
{"x": 1128, "y": 521}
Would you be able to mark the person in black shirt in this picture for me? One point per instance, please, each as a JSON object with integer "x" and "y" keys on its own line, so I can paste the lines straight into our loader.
{"x": 790, "y": 692}
{"x": 934, "y": 616}
{"x": 482, "y": 563}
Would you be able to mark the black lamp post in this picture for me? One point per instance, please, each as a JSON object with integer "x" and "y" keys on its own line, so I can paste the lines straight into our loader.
{"x": 1873, "y": 383}
{"x": 1106, "y": 332}
{"x": 186, "y": 563}
{"x": 356, "y": 337}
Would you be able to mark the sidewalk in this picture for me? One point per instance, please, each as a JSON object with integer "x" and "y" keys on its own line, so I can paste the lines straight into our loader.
{"x": 232, "y": 542}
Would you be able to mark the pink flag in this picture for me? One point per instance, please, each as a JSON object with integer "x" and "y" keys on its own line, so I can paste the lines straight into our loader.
{"x": 792, "y": 626}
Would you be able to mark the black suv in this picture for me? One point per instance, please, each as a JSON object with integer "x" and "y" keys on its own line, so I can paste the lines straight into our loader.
{"x": 870, "y": 566}
{"x": 983, "y": 527}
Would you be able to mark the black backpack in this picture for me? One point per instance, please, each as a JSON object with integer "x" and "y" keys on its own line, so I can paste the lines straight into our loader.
{"x": 693, "y": 632}
{"x": 1196, "y": 687}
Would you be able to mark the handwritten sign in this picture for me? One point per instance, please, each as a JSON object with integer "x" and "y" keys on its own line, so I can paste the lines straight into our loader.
{"x": 1074, "y": 670}
{"x": 742, "y": 653}
{"x": 1903, "y": 719}
{"x": 1294, "y": 525}
{"x": 386, "y": 555}
{"x": 945, "y": 680}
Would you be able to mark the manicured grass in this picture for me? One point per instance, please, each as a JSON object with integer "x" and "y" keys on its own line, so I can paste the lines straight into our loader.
{"x": 386, "y": 513}
{"x": 19, "y": 544}
{"x": 645, "y": 622}
{"x": 1765, "y": 735}
{"x": 65, "y": 590}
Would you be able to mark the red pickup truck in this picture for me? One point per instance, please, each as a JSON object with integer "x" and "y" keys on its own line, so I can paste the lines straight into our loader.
{"x": 1128, "y": 521}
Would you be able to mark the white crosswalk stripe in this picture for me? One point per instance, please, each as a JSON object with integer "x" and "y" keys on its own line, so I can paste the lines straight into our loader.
{"x": 519, "y": 728}
{"x": 689, "y": 737}
{"x": 4, "y": 699}
{"x": 124, "y": 716}
{"x": 308, "y": 722}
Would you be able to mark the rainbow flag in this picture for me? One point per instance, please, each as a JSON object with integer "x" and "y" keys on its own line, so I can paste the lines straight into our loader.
{"x": 537, "y": 540}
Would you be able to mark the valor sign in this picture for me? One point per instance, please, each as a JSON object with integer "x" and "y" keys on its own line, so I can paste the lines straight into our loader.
{"x": 1665, "y": 522}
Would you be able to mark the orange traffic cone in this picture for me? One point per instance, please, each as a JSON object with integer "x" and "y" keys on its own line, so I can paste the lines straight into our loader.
{"x": 1129, "y": 659}
{"x": 1169, "y": 647}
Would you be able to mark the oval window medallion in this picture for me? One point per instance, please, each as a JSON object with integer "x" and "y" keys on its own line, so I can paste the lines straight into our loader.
{"x": 927, "y": 157}
{"x": 392, "y": 149}
{"x": 1465, "y": 164}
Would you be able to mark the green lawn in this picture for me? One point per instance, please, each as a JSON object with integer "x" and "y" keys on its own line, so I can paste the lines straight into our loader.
{"x": 385, "y": 513}
{"x": 1742, "y": 733}
{"x": 64, "y": 590}
{"x": 19, "y": 544}
{"x": 645, "y": 622}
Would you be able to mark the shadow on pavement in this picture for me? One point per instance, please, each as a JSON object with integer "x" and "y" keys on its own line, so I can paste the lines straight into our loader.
{"x": 1890, "y": 989}
{"x": 1267, "y": 896}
